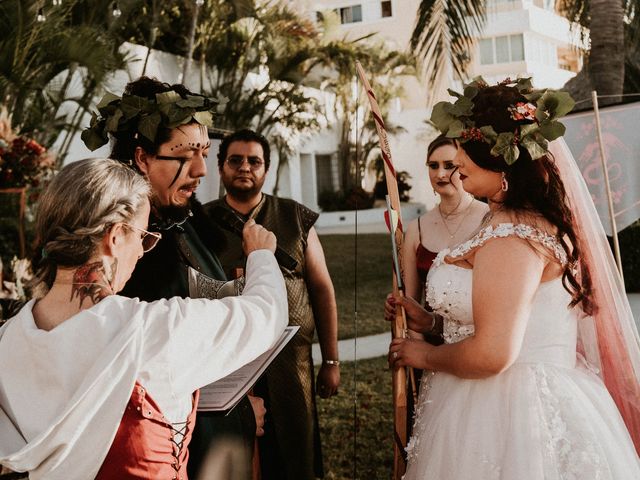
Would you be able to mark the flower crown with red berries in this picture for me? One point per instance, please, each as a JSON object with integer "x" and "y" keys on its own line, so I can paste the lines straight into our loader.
{"x": 542, "y": 109}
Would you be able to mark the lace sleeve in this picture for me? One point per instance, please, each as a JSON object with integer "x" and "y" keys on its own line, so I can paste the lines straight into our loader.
{"x": 526, "y": 232}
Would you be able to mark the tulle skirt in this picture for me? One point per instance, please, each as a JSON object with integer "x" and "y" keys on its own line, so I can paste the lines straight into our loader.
{"x": 532, "y": 422}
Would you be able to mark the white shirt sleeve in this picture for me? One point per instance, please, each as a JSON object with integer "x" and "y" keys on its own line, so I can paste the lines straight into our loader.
{"x": 197, "y": 341}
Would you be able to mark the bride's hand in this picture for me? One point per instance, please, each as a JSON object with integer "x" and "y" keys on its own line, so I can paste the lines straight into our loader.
{"x": 409, "y": 352}
{"x": 418, "y": 319}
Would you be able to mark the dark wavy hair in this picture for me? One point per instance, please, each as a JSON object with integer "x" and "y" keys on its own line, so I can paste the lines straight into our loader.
{"x": 124, "y": 143}
{"x": 244, "y": 135}
{"x": 534, "y": 185}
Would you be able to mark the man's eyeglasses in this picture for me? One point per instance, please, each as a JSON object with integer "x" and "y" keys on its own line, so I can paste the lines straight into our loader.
{"x": 236, "y": 161}
{"x": 149, "y": 239}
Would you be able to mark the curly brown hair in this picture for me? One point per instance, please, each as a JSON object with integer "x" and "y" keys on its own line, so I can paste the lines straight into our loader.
{"x": 535, "y": 186}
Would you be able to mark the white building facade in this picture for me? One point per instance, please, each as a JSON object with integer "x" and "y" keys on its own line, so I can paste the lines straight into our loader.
{"x": 521, "y": 38}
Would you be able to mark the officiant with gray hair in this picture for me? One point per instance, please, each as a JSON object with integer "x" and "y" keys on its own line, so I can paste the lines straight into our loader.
{"x": 161, "y": 131}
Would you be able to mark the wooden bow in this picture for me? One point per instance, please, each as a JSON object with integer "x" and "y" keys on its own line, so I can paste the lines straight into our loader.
{"x": 399, "y": 326}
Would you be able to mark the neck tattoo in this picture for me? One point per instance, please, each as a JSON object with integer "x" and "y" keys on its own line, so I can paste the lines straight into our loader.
{"x": 93, "y": 281}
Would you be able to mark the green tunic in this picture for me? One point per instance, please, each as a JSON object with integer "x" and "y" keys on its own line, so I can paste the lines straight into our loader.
{"x": 290, "y": 448}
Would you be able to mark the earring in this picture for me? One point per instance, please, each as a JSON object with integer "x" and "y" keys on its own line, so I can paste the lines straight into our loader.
{"x": 434, "y": 192}
{"x": 504, "y": 184}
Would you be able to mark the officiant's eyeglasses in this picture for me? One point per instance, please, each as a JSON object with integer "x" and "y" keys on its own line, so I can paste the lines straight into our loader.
{"x": 149, "y": 239}
{"x": 236, "y": 161}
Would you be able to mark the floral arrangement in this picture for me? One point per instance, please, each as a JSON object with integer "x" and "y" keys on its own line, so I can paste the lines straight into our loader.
{"x": 541, "y": 110}
{"x": 23, "y": 161}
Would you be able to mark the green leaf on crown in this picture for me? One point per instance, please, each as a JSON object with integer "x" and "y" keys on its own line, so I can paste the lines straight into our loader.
{"x": 489, "y": 133}
{"x": 524, "y": 85}
{"x": 167, "y": 97}
{"x": 132, "y": 105}
{"x": 204, "y": 118}
{"x": 470, "y": 91}
{"x": 555, "y": 104}
{"x": 192, "y": 101}
{"x": 536, "y": 144}
{"x": 552, "y": 130}
{"x": 175, "y": 115}
{"x": 455, "y": 129}
{"x": 505, "y": 146}
{"x": 441, "y": 117}
{"x": 107, "y": 99}
{"x": 92, "y": 139}
{"x": 113, "y": 121}
{"x": 148, "y": 125}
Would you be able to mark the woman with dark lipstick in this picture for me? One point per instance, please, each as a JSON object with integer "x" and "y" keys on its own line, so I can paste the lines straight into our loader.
{"x": 539, "y": 373}
{"x": 453, "y": 220}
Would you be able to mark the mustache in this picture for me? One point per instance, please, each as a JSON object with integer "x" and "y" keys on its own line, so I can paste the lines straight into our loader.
{"x": 193, "y": 184}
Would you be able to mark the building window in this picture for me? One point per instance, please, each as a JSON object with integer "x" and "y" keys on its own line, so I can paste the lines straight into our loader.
{"x": 327, "y": 175}
{"x": 386, "y": 9}
{"x": 350, "y": 14}
{"x": 486, "y": 51}
{"x": 503, "y": 49}
{"x": 517, "y": 47}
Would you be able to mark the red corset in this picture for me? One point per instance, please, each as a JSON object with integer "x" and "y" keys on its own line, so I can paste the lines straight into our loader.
{"x": 144, "y": 446}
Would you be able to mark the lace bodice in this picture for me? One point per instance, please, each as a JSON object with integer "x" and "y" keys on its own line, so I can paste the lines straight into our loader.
{"x": 449, "y": 288}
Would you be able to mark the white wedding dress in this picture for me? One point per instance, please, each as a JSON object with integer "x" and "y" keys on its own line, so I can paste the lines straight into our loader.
{"x": 547, "y": 417}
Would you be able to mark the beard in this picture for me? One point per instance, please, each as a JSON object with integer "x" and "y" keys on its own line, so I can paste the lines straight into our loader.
{"x": 173, "y": 214}
{"x": 243, "y": 193}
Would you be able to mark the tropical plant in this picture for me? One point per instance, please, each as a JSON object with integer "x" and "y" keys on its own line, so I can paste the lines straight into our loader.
{"x": 50, "y": 70}
{"x": 258, "y": 62}
{"x": 444, "y": 34}
{"x": 336, "y": 56}
{"x": 445, "y": 29}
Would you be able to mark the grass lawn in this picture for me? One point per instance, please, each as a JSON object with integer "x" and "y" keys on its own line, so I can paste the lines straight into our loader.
{"x": 373, "y": 458}
{"x": 374, "y": 280}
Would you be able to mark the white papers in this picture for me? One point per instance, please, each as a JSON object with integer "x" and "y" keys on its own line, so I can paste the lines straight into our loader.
{"x": 228, "y": 391}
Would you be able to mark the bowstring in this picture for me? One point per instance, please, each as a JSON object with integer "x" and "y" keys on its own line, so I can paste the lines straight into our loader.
{"x": 355, "y": 299}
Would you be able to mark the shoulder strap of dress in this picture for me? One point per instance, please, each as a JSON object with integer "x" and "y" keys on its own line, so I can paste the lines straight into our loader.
{"x": 419, "y": 231}
{"x": 521, "y": 230}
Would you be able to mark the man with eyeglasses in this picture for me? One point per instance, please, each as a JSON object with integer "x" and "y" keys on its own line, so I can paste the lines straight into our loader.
{"x": 290, "y": 447}
{"x": 161, "y": 130}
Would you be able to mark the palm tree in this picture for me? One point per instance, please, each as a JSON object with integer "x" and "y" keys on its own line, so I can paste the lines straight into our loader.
{"x": 445, "y": 28}
{"x": 604, "y": 70}
{"x": 336, "y": 58}
{"x": 258, "y": 59}
{"x": 39, "y": 61}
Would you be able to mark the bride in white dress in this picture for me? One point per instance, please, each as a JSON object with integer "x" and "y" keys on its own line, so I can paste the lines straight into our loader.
{"x": 516, "y": 393}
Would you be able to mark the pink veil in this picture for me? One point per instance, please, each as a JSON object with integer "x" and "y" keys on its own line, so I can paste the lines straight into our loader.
{"x": 609, "y": 339}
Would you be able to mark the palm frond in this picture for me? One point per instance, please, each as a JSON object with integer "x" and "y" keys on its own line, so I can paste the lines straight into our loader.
{"x": 444, "y": 32}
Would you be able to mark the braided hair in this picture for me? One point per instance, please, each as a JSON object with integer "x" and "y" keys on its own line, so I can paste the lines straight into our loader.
{"x": 78, "y": 207}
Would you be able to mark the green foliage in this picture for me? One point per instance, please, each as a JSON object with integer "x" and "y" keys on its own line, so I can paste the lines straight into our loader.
{"x": 404, "y": 187}
{"x": 132, "y": 112}
{"x": 355, "y": 199}
{"x": 335, "y": 69}
{"x": 380, "y": 188}
{"x": 39, "y": 61}
{"x": 444, "y": 35}
{"x": 454, "y": 119}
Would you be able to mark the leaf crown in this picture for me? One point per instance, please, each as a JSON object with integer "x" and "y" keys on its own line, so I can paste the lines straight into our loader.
{"x": 536, "y": 119}
{"x": 144, "y": 116}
